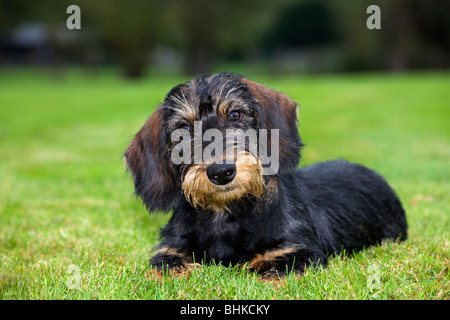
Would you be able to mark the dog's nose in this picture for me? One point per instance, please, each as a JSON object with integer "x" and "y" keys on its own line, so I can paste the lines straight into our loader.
{"x": 221, "y": 174}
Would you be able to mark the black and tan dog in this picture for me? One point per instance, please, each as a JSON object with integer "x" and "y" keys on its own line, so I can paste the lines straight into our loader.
{"x": 235, "y": 213}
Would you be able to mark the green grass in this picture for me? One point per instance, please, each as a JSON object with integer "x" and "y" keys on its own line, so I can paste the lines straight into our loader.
{"x": 70, "y": 227}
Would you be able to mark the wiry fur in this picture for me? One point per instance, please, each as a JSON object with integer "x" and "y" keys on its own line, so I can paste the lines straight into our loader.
{"x": 274, "y": 223}
{"x": 201, "y": 193}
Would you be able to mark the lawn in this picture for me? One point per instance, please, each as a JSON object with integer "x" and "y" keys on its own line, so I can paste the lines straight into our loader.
{"x": 71, "y": 228}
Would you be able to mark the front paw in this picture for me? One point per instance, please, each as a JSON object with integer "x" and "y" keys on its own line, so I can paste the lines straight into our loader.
{"x": 173, "y": 262}
{"x": 160, "y": 273}
{"x": 273, "y": 275}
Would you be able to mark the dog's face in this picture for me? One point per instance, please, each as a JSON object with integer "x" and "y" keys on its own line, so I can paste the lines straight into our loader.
{"x": 217, "y": 120}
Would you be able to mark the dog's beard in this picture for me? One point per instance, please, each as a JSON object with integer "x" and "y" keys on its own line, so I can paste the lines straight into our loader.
{"x": 202, "y": 193}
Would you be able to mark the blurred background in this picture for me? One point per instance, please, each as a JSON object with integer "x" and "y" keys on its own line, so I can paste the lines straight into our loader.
{"x": 145, "y": 37}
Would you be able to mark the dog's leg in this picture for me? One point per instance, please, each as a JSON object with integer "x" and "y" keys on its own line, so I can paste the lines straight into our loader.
{"x": 172, "y": 259}
{"x": 276, "y": 263}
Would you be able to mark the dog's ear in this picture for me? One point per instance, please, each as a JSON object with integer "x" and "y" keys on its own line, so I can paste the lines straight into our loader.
{"x": 155, "y": 177}
{"x": 278, "y": 111}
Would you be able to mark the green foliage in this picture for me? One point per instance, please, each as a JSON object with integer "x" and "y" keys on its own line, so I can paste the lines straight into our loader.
{"x": 70, "y": 227}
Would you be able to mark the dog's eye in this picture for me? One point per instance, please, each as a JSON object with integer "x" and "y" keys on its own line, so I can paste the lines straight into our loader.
{"x": 187, "y": 127}
{"x": 234, "y": 115}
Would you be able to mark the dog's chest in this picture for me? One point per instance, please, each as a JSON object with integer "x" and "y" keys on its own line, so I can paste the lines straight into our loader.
{"x": 220, "y": 238}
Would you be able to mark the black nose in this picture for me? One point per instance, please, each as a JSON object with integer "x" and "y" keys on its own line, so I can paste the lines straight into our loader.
{"x": 221, "y": 173}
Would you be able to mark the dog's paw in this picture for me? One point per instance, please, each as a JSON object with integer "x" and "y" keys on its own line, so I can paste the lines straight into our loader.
{"x": 272, "y": 275}
{"x": 175, "y": 271}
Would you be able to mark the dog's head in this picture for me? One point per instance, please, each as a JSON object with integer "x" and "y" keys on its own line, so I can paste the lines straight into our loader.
{"x": 210, "y": 141}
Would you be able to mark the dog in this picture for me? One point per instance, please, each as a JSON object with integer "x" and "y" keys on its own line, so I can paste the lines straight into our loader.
{"x": 233, "y": 212}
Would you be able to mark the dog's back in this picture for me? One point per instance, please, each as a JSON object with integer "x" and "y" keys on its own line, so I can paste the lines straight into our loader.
{"x": 350, "y": 205}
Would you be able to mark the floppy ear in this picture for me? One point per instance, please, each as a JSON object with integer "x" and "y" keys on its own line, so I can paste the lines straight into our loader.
{"x": 278, "y": 111}
{"x": 155, "y": 177}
